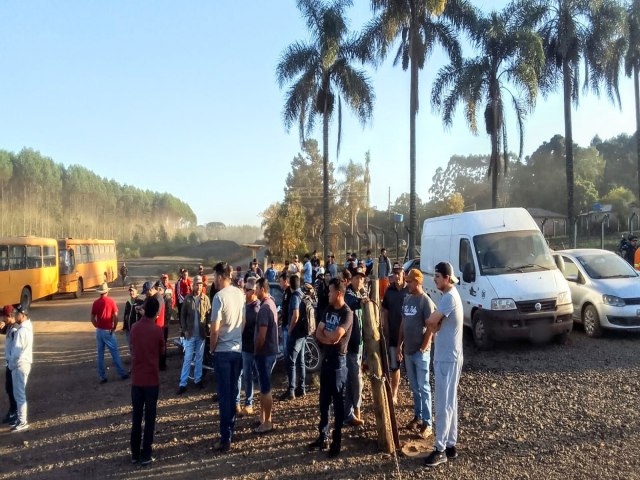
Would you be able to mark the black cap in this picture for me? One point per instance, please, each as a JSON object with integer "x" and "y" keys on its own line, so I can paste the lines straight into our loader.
{"x": 632, "y": 238}
{"x": 22, "y": 309}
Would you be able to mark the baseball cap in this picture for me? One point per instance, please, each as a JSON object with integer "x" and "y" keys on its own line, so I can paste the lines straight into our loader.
{"x": 359, "y": 271}
{"x": 396, "y": 267}
{"x": 7, "y": 310}
{"x": 158, "y": 285}
{"x": 320, "y": 272}
{"x": 197, "y": 279}
{"x": 446, "y": 270}
{"x": 250, "y": 284}
{"x": 146, "y": 287}
{"x": 164, "y": 275}
{"x": 415, "y": 274}
{"x": 22, "y": 309}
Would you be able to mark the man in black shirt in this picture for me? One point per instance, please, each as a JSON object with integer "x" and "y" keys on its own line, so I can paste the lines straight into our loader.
{"x": 333, "y": 334}
{"x": 284, "y": 309}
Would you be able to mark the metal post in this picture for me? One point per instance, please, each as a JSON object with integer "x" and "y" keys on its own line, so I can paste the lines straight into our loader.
{"x": 575, "y": 231}
{"x": 606, "y": 217}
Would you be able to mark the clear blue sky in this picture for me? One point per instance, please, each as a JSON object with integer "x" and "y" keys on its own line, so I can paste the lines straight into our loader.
{"x": 181, "y": 97}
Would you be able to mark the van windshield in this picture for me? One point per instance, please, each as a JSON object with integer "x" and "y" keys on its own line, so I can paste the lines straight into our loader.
{"x": 512, "y": 252}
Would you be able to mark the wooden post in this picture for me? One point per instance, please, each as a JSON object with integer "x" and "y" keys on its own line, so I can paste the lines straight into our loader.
{"x": 371, "y": 327}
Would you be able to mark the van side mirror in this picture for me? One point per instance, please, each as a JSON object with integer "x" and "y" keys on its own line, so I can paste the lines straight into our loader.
{"x": 468, "y": 273}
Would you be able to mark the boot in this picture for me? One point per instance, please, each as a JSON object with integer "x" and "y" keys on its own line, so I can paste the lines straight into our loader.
{"x": 334, "y": 448}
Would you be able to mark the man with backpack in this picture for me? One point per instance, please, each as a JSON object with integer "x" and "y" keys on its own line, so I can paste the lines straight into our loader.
{"x": 297, "y": 329}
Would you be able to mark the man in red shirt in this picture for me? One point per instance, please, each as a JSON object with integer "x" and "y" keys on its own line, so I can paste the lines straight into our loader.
{"x": 184, "y": 287}
{"x": 104, "y": 317}
{"x": 204, "y": 279}
{"x": 147, "y": 344}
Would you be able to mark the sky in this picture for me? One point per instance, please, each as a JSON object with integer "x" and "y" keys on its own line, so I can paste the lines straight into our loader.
{"x": 181, "y": 97}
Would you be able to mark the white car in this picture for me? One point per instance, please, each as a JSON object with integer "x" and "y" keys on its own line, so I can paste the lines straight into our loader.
{"x": 605, "y": 290}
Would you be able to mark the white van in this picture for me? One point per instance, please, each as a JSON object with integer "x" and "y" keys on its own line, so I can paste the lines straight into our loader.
{"x": 509, "y": 283}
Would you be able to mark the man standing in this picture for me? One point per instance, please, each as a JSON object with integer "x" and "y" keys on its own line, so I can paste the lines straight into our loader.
{"x": 384, "y": 269}
{"x": 368, "y": 264}
{"x": 448, "y": 358}
{"x": 284, "y": 311}
{"x": 296, "y": 371}
{"x": 307, "y": 269}
{"x": 123, "y": 273}
{"x": 355, "y": 297}
{"x": 157, "y": 291}
{"x": 271, "y": 274}
{"x": 333, "y": 333}
{"x": 147, "y": 343}
{"x": 248, "y": 344}
{"x": 333, "y": 268}
{"x": 266, "y": 350}
{"x": 391, "y": 320}
{"x": 416, "y": 309}
{"x": 193, "y": 315}
{"x": 20, "y": 362}
{"x": 8, "y": 328}
{"x": 227, "y": 322}
{"x": 169, "y": 303}
{"x": 131, "y": 314}
{"x": 204, "y": 278}
{"x": 184, "y": 286}
{"x": 104, "y": 317}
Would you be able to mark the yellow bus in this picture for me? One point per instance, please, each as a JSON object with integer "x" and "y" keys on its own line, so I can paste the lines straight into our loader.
{"x": 86, "y": 264}
{"x": 28, "y": 269}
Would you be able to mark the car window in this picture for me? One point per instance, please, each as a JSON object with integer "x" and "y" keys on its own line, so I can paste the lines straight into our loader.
{"x": 600, "y": 266}
{"x": 570, "y": 268}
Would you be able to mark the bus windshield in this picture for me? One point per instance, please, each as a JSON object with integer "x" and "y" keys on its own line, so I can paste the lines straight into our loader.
{"x": 512, "y": 252}
{"x": 66, "y": 261}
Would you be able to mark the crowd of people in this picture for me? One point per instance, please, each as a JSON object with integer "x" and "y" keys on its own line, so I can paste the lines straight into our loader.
{"x": 235, "y": 325}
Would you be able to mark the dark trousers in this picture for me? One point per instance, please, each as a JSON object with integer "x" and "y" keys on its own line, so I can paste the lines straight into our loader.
{"x": 163, "y": 354}
{"x": 228, "y": 366}
{"x": 333, "y": 380}
{"x": 296, "y": 371}
{"x": 8, "y": 386}
{"x": 144, "y": 400}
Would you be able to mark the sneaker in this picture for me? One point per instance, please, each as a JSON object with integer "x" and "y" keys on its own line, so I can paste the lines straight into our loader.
{"x": 452, "y": 452}
{"x": 425, "y": 430}
{"x": 246, "y": 411}
{"x": 134, "y": 460}
{"x": 334, "y": 450}
{"x": 20, "y": 427}
{"x": 147, "y": 461}
{"x": 412, "y": 425}
{"x": 435, "y": 458}
{"x": 300, "y": 393}
{"x": 222, "y": 447}
{"x": 319, "y": 444}
{"x": 181, "y": 390}
{"x": 10, "y": 417}
{"x": 265, "y": 427}
{"x": 287, "y": 396}
{"x": 103, "y": 380}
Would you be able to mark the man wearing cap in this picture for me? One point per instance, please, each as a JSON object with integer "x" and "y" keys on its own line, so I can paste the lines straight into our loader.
{"x": 131, "y": 313}
{"x": 20, "y": 360}
{"x": 355, "y": 297}
{"x": 169, "y": 302}
{"x": 391, "y": 320}
{"x": 368, "y": 264}
{"x": 321, "y": 287}
{"x": 204, "y": 278}
{"x": 414, "y": 344}
{"x": 193, "y": 316}
{"x": 227, "y": 322}
{"x": 184, "y": 286}
{"x": 9, "y": 328}
{"x": 384, "y": 269}
{"x": 271, "y": 274}
{"x": 297, "y": 338}
{"x": 148, "y": 343}
{"x": 104, "y": 317}
{"x": 446, "y": 323}
{"x": 284, "y": 310}
{"x": 248, "y": 345}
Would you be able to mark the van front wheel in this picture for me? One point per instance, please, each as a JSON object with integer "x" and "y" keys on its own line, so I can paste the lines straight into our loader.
{"x": 481, "y": 336}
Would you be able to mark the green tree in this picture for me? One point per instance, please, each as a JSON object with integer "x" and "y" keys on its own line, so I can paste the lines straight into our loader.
{"x": 418, "y": 26}
{"x": 319, "y": 71}
{"x": 575, "y": 32}
{"x": 621, "y": 199}
{"x": 510, "y": 59}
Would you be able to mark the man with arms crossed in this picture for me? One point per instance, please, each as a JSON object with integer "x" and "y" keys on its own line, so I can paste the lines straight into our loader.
{"x": 333, "y": 333}
{"x": 448, "y": 358}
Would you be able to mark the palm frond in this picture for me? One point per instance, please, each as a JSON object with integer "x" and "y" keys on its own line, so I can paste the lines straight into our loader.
{"x": 297, "y": 58}
{"x": 355, "y": 87}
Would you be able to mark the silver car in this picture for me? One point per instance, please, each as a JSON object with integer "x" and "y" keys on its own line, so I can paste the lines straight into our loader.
{"x": 605, "y": 290}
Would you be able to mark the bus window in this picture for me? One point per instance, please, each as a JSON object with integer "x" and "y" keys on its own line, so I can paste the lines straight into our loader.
{"x": 4, "y": 258}
{"x": 48, "y": 256}
{"x": 34, "y": 256}
{"x": 17, "y": 257}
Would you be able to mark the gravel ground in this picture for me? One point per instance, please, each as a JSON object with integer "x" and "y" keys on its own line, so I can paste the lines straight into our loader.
{"x": 526, "y": 411}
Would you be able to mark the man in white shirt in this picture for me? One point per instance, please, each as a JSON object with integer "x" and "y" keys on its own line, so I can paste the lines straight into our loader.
{"x": 20, "y": 360}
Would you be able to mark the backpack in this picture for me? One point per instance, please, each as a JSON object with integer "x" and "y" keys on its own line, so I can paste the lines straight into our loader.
{"x": 307, "y": 319}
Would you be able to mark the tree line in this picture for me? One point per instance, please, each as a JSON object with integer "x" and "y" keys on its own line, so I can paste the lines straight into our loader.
{"x": 41, "y": 197}
{"x": 530, "y": 47}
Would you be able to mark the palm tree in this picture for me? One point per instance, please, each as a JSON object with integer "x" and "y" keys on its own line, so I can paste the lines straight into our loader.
{"x": 419, "y": 25}
{"x": 353, "y": 191}
{"x": 319, "y": 71}
{"x": 632, "y": 66}
{"x": 578, "y": 32}
{"x": 510, "y": 55}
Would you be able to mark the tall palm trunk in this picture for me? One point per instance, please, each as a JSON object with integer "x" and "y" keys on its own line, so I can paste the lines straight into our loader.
{"x": 636, "y": 89}
{"x": 568, "y": 138}
{"x": 325, "y": 178}
{"x": 413, "y": 111}
{"x": 495, "y": 154}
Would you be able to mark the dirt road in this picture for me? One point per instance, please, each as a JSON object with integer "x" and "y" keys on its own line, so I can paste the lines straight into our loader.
{"x": 551, "y": 411}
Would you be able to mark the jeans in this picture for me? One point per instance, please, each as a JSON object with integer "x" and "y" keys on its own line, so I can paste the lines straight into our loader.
{"x": 163, "y": 354}
{"x": 227, "y": 366}
{"x": 295, "y": 352}
{"x": 264, "y": 365}
{"x": 19, "y": 377}
{"x": 105, "y": 338}
{"x": 333, "y": 378}
{"x": 447, "y": 376}
{"x": 285, "y": 343}
{"x": 353, "y": 390}
{"x": 143, "y": 399}
{"x": 247, "y": 379}
{"x": 193, "y": 346}
{"x": 8, "y": 386}
{"x": 418, "y": 372}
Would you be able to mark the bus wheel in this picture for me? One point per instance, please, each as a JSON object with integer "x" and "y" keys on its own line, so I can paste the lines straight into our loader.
{"x": 25, "y": 297}
{"x": 78, "y": 293}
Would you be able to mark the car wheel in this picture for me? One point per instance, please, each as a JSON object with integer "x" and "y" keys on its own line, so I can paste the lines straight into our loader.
{"x": 312, "y": 355}
{"x": 591, "y": 322}
{"x": 481, "y": 336}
